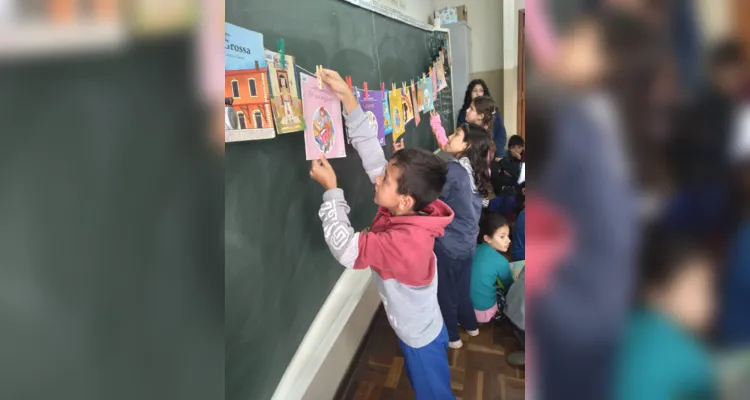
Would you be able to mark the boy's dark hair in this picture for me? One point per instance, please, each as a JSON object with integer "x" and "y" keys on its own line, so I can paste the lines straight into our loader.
{"x": 423, "y": 175}
{"x": 228, "y": 101}
{"x": 470, "y": 88}
{"x": 487, "y": 107}
{"x": 489, "y": 224}
{"x": 664, "y": 254}
{"x": 727, "y": 54}
{"x": 516, "y": 140}
{"x": 479, "y": 155}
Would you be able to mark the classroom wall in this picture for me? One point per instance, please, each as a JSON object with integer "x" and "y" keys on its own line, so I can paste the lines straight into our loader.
{"x": 418, "y": 9}
{"x": 510, "y": 63}
{"x": 485, "y": 20}
{"x": 494, "y": 53}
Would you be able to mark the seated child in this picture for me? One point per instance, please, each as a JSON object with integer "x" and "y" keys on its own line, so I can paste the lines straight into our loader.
{"x": 662, "y": 355}
{"x": 507, "y": 171}
{"x": 399, "y": 245}
{"x": 490, "y": 268}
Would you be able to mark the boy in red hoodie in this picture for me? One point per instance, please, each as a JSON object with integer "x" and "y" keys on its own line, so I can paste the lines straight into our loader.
{"x": 398, "y": 246}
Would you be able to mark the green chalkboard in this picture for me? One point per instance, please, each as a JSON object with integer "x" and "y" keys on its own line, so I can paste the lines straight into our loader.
{"x": 278, "y": 268}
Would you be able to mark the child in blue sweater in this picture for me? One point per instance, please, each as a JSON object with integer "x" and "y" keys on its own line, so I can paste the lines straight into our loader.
{"x": 467, "y": 182}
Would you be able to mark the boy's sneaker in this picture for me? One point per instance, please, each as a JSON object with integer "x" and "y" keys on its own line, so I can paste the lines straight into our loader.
{"x": 475, "y": 332}
{"x": 456, "y": 345}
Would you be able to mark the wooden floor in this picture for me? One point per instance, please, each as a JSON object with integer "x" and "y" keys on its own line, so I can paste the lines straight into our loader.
{"x": 478, "y": 370}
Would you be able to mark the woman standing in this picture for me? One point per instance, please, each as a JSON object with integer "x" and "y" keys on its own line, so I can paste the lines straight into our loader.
{"x": 477, "y": 88}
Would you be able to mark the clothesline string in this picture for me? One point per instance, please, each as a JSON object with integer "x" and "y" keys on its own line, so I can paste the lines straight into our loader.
{"x": 304, "y": 70}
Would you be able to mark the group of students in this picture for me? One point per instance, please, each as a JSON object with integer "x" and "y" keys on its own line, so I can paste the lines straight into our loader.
{"x": 629, "y": 312}
{"x": 422, "y": 241}
{"x": 470, "y": 265}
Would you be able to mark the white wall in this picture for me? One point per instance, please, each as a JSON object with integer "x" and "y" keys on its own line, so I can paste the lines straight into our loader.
{"x": 510, "y": 64}
{"x": 485, "y": 17}
{"x": 494, "y": 52}
{"x": 417, "y": 9}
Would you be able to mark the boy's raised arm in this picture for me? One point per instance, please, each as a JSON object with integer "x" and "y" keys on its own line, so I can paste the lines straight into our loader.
{"x": 363, "y": 135}
{"x": 364, "y": 138}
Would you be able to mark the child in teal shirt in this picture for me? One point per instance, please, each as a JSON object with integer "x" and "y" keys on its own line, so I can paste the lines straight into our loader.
{"x": 662, "y": 355}
{"x": 490, "y": 268}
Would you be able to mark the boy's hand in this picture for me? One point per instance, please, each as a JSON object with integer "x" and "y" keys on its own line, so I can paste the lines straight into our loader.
{"x": 515, "y": 154}
{"x": 323, "y": 173}
{"x": 398, "y": 145}
{"x": 340, "y": 89}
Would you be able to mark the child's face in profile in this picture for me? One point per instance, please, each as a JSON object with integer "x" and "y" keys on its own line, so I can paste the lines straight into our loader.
{"x": 689, "y": 298}
{"x": 500, "y": 240}
{"x": 473, "y": 116}
{"x": 456, "y": 143}
{"x": 386, "y": 191}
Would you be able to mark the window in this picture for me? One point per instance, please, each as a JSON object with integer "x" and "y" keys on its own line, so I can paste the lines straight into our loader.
{"x": 235, "y": 89}
{"x": 258, "y": 119}
{"x": 243, "y": 123}
{"x": 253, "y": 90}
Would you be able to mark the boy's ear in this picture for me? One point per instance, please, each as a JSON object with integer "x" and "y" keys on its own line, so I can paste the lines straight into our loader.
{"x": 406, "y": 203}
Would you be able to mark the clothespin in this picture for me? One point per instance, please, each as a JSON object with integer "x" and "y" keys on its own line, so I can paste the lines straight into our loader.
{"x": 367, "y": 95}
{"x": 430, "y": 70}
{"x": 382, "y": 89}
{"x": 349, "y": 82}
{"x": 393, "y": 86}
{"x": 424, "y": 76}
{"x": 412, "y": 82}
{"x": 282, "y": 52}
{"x": 318, "y": 70}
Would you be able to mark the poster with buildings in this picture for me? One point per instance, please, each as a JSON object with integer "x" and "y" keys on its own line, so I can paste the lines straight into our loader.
{"x": 285, "y": 102}
{"x": 247, "y": 100}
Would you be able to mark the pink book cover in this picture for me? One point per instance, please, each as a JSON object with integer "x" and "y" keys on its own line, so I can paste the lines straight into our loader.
{"x": 324, "y": 133}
